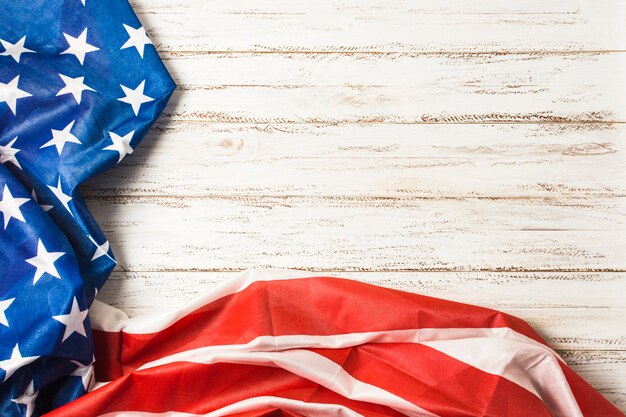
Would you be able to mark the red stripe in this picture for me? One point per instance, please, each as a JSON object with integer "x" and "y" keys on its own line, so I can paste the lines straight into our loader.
{"x": 199, "y": 388}
{"x": 436, "y": 382}
{"x": 313, "y": 306}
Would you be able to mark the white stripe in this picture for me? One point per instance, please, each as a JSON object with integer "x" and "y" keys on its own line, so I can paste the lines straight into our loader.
{"x": 110, "y": 319}
{"x": 251, "y": 404}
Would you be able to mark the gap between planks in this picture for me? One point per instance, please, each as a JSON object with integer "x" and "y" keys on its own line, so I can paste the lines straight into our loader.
{"x": 383, "y": 123}
{"x": 380, "y": 270}
{"x": 493, "y": 289}
{"x": 365, "y": 25}
{"x": 89, "y": 194}
{"x": 166, "y": 54}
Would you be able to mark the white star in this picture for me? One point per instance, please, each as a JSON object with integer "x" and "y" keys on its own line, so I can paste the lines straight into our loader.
{"x": 74, "y": 86}
{"x": 10, "y": 206}
{"x": 4, "y": 304}
{"x": 85, "y": 373}
{"x": 44, "y": 207}
{"x": 73, "y": 321}
{"x": 61, "y": 196}
{"x": 15, "y": 362}
{"x": 121, "y": 144}
{"x": 9, "y": 93}
{"x": 101, "y": 250}
{"x": 61, "y": 137}
{"x": 79, "y": 46}
{"x": 28, "y": 399}
{"x": 7, "y": 153}
{"x": 135, "y": 97}
{"x": 44, "y": 262}
{"x": 137, "y": 38}
{"x": 15, "y": 50}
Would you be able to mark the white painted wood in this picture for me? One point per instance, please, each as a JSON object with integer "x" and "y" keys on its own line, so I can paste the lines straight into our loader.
{"x": 390, "y": 137}
{"x": 378, "y": 25}
{"x": 511, "y": 75}
{"x": 379, "y": 234}
{"x": 516, "y": 160}
{"x": 148, "y": 291}
{"x": 322, "y": 88}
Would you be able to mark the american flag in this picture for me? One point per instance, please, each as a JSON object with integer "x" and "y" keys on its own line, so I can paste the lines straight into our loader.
{"x": 80, "y": 84}
{"x": 283, "y": 343}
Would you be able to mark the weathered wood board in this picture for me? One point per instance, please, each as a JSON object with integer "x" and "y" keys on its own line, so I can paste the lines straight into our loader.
{"x": 391, "y": 88}
{"x": 377, "y": 160}
{"x": 472, "y": 151}
{"x": 139, "y": 292}
{"x": 381, "y": 26}
{"x": 369, "y": 234}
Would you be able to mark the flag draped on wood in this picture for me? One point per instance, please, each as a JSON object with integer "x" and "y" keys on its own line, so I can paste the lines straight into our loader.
{"x": 80, "y": 84}
{"x": 283, "y": 343}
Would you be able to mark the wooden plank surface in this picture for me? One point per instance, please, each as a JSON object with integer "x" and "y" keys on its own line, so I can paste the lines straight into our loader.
{"x": 391, "y": 88}
{"x": 380, "y": 26}
{"x": 148, "y": 291}
{"x": 374, "y": 234}
{"x": 453, "y": 160}
{"x": 466, "y": 150}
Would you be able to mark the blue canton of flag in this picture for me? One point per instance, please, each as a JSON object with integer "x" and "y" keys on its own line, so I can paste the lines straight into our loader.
{"x": 80, "y": 84}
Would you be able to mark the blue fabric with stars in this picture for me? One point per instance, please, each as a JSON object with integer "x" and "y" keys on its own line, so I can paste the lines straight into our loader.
{"x": 80, "y": 84}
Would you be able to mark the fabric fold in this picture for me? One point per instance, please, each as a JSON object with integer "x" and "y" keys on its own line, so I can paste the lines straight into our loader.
{"x": 75, "y": 99}
{"x": 410, "y": 355}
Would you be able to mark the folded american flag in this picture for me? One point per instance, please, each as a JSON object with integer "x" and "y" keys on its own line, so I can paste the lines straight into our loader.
{"x": 283, "y": 343}
{"x": 80, "y": 84}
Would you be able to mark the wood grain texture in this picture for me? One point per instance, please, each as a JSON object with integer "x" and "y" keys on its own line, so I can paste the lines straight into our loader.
{"x": 515, "y": 160}
{"x": 466, "y": 150}
{"x": 380, "y": 26}
{"x": 392, "y": 88}
{"x": 369, "y": 234}
{"x": 149, "y": 291}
